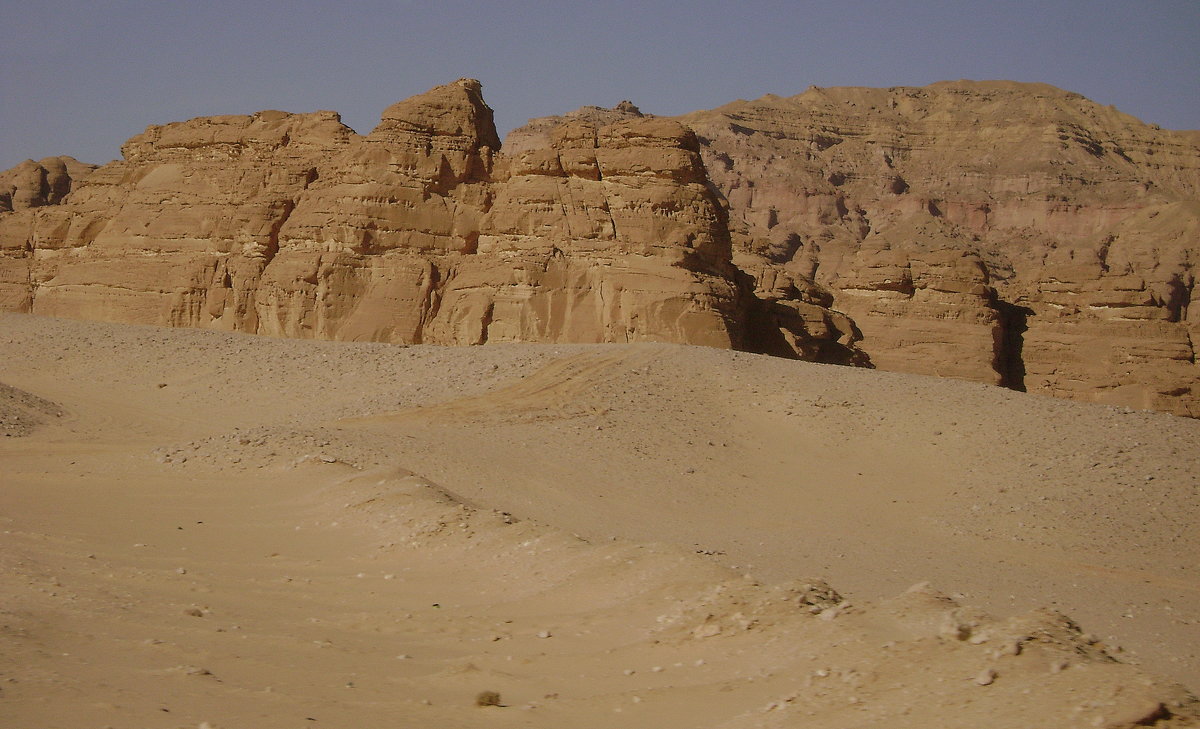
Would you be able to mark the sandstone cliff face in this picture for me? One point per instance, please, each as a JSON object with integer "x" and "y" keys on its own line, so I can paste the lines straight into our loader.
{"x": 1012, "y": 234}
{"x": 1007, "y": 233}
{"x": 420, "y": 231}
{"x": 33, "y": 184}
{"x": 178, "y": 232}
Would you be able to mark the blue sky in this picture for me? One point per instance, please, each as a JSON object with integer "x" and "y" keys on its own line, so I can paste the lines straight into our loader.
{"x": 79, "y": 78}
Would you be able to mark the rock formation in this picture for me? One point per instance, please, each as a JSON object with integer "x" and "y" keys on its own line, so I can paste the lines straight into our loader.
{"x": 1013, "y": 234}
{"x": 421, "y": 231}
{"x": 1008, "y": 233}
{"x": 33, "y": 184}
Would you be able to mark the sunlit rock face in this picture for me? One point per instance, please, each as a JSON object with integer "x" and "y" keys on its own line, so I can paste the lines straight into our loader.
{"x": 1007, "y": 233}
{"x": 1012, "y": 234}
{"x": 604, "y": 230}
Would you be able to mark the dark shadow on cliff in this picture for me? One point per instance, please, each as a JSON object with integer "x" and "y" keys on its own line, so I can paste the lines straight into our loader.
{"x": 773, "y": 328}
{"x": 1010, "y": 344}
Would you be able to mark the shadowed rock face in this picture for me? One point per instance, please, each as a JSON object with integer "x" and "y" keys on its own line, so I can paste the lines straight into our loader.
{"x": 421, "y": 231}
{"x": 1012, "y": 234}
{"x": 1007, "y": 233}
{"x": 33, "y": 184}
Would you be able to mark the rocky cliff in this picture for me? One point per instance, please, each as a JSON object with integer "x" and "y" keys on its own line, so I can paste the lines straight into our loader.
{"x": 420, "y": 231}
{"x": 1008, "y": 233}
{"x": 1013, "y": 234}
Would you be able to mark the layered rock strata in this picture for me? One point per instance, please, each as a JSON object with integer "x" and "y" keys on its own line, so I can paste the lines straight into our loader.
{"x": 1008, "y": 233}
{"x": 1013, "y": 234}
{"x": 421, "y": 231}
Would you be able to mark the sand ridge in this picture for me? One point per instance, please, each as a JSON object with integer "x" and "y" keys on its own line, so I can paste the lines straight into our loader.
{"x": 292, "y": 532}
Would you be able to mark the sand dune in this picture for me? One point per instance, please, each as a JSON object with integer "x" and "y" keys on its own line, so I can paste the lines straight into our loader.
{"x": 244, "y": 531}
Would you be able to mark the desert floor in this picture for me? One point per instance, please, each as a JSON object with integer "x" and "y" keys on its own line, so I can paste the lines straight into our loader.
{"x": 200, "y": 528}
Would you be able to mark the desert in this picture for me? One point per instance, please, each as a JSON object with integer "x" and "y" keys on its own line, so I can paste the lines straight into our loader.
{"x": 220, "y": 529}
{"x": 856, "y": 408}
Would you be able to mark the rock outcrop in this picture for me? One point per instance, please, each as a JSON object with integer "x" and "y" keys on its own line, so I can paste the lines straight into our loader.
{"x": 33, "y": 184}
{"x": 420, "y": 231}
{"x": 1013, "y": 234}
{"x": 1008, "y": 233}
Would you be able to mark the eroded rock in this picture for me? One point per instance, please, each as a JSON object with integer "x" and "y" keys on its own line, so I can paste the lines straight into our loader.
{"x": 1009, "y": 233}
{"x": 602, "y": 229}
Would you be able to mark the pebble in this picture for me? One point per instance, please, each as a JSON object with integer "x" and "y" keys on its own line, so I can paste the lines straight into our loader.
{"x": 544, "y": 634}
{"x": 986, "y": 677}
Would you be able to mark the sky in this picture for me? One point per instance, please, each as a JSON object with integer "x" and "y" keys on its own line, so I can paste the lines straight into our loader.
{"x": 79, "y": 78}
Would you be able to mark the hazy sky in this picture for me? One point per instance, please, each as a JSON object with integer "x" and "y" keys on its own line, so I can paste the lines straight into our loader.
{"x": 79, "y": 78}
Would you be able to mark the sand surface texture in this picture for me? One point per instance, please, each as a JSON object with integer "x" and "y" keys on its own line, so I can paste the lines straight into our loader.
{"x": 206, "y": 529}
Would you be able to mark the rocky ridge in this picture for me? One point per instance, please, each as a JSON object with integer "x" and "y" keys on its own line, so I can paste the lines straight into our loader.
{"x": 418, "y": 232}
{"x": 1013, "y": 234}
{"x": 1008, "y": 233}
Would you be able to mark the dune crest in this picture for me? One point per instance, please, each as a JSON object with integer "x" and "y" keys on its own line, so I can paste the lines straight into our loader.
{"x": 239, "y": 530}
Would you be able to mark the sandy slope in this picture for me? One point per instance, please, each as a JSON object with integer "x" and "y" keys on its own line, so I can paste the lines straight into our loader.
{"x": 254, "y": 532}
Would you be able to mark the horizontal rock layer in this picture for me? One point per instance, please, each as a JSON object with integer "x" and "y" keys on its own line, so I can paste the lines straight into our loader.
{"x": 1013, "y": 234}
{"x": 421, "y": 231}
{"x": 1008, "y": 233}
